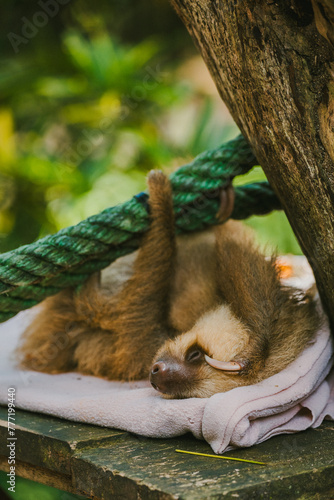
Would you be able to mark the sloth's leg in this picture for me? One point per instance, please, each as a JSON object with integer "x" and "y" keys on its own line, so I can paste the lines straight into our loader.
{"x": 133, "y": 323}
{"x": 145, "y": 296}
{"x": 144, "y": 302}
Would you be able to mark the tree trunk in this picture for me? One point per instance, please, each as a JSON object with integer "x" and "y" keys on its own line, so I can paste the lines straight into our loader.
{"x": 273, "y": 65}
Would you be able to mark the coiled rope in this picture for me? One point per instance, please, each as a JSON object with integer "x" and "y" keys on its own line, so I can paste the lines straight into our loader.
{"x": 33, "y": 272}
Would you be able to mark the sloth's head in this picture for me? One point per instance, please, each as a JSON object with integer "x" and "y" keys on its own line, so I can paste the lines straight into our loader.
{"x": 199, "y": 363}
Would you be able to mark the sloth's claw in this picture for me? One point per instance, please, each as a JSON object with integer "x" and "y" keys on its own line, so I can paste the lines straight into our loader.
{"x": 227, "y": 197}
{"x": 226, "y": 366}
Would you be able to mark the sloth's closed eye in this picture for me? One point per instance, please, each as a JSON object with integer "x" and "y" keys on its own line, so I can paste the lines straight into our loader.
{"x": 194, "y": 355}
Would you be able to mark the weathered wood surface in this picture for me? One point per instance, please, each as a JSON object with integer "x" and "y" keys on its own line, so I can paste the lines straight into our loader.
{"x": 111, "y": 464}
{"x": 273, "y": 65}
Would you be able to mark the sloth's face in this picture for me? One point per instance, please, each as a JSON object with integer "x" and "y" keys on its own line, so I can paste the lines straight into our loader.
{"x": 199, "y": 363}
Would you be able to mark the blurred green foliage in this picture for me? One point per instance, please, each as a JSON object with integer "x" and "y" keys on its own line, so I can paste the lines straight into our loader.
{"x": 91, "y": 99}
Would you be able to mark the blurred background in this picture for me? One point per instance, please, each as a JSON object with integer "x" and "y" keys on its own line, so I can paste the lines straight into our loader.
{"x": 92, "y": 96}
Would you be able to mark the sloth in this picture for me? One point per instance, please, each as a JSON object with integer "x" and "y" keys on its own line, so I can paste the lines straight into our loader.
{"x": 198, "y": 314}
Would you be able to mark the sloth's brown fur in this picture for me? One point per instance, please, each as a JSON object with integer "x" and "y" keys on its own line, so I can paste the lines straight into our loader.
{"x": 213, "y": 292}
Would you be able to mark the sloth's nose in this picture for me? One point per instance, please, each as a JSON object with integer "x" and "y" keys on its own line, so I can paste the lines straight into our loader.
{"x": 159, "y": 376}
{"x": 169, "y": 375}
{"x": 160, "y": 366}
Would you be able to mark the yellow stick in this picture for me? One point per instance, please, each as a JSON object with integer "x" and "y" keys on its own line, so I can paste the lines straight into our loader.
{"x": 220, "y": 456}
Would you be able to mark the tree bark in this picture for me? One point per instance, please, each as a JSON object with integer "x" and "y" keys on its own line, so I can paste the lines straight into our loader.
{"x": 273, "y": 65}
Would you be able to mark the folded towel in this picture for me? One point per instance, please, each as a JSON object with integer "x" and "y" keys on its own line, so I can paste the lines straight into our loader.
{"x": 300, "y": 396}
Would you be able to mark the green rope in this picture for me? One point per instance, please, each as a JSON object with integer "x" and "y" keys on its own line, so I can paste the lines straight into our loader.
{"x": 32, "y": 272}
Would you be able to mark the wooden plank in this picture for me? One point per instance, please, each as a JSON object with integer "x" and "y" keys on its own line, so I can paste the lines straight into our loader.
{"x": 111, "y": 464}
{"x": 299, "y": 466}
{"x": 49, "y": 442}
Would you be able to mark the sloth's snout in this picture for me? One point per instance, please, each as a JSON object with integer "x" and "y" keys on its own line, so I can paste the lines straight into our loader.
{"x": 165, "y": 377}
